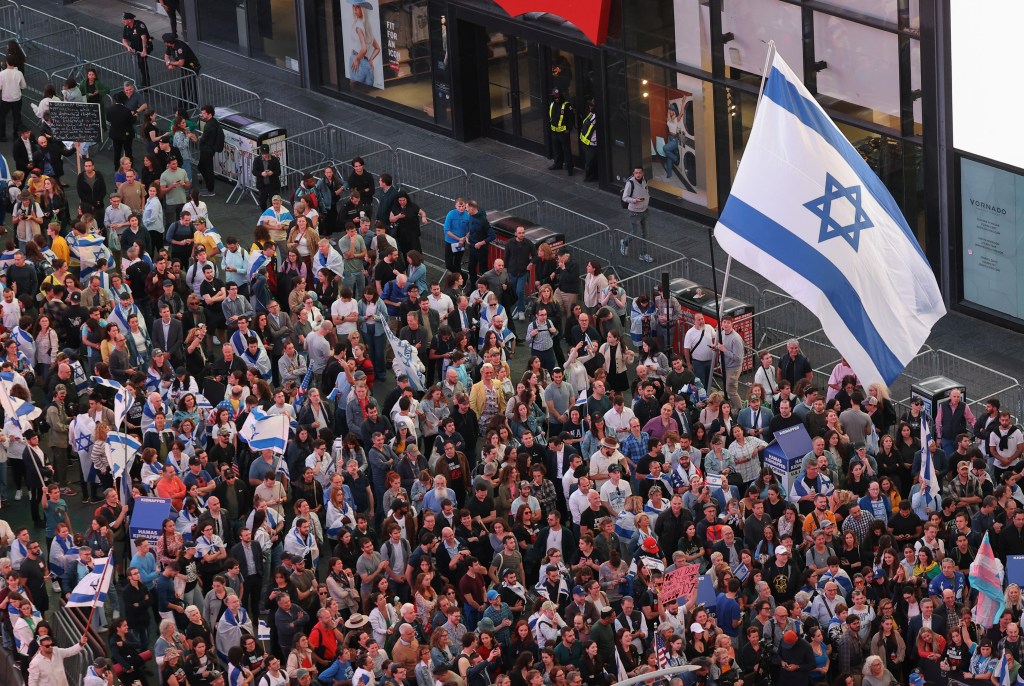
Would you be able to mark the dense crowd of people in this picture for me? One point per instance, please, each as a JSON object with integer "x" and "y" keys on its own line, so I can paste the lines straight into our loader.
{"x": 439, "y": 519}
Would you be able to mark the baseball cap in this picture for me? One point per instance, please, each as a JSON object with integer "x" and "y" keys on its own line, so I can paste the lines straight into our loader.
{"x": 578, "y": 590}
{"x": 696, "y": 628}
{"x": 650, "y": 545}
{"x": 781, "y": 550}
{"x": 492, "y": 594}
{"x": 789, "y": 637}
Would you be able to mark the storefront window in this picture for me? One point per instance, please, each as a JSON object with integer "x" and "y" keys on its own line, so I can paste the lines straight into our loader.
{"x": 889, "y": 10}
{"x": 671, "y": 31}
{"x": 382, "y": 50}
{"x": 276, "y": 37}
{"x": 741, "y": 108}
{"x": 221, "y": 23}
{"x": 752, "y": 24}
{"x": 672, "y": 132}
{"x": 860, "y": 76}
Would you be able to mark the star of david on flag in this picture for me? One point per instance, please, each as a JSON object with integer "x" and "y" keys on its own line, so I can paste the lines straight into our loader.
{"x": 801, "y": 185}
{"x": 830, "y": 226}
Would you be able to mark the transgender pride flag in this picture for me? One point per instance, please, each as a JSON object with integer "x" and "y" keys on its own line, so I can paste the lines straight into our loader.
{"x": 987, "y": 578}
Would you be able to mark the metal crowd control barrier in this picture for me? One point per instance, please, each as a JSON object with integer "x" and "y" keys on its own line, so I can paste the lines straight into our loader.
{"x": 35, "y": 81}
{"x": 97, "y": 46}
{"x": 10, "y": 20}
{"x": 582, "y": 249}
{"x": 982, "y": 382}
{"x": 48, "y": 42}
{"x": 433, "y": 185}
{"x": 495, "y": 195}
{"x": 569, "y": 222}
{"x": 67, "y": 631}
{"x": 220, "y": 93}
{"x": 332, "y": 145}
{"x": 294, "y": 120}
{"x": 645, "y": 283}
{"x": 739, "y": 288}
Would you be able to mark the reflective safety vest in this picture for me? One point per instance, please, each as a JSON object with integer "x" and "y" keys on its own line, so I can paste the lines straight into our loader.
{"x": 587, "y": 130}
{"x": 560, "y": 127}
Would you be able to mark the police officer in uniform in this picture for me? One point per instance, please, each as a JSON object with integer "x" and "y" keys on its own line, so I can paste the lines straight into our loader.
{"x": 560, "y": 119}
{"x": 588, "y": 142}
{"x": 178, "y": 55}
{"x": 137, "y": 40}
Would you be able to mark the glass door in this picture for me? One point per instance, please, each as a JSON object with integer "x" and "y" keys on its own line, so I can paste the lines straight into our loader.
{"x": 516, "y": 89}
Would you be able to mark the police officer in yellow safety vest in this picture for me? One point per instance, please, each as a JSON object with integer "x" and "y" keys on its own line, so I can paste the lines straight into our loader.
{"x": 561, "y": 119}
{"x": 588, "y": 142}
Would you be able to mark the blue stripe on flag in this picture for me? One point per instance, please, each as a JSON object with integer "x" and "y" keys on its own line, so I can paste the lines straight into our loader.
{"x": 776, "y": 240}
{"x": 785, "y": 94}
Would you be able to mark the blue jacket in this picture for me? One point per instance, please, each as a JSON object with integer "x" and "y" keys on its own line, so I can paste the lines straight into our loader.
{"x": 865, "y": 504}
{"x": 457, "y": 223}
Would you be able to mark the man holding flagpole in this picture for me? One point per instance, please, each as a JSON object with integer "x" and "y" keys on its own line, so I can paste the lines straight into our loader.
{"x": 47, "y": 667}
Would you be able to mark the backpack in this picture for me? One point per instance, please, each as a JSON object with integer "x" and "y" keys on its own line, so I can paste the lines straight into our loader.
{"x": 218, "y": 141}
{"x": 43, "y": 426}
{"x": 625, "y": 203}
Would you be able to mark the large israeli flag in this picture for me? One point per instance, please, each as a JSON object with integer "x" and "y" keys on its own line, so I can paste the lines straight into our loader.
{"x": 120, "y": 398}
{"x": 91, "y": 591}
{"x": 807, "y": 213}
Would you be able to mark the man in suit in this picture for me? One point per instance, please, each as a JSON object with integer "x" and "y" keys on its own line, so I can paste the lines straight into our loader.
{"x": 24, "y": 150}
{"x": 167, "y": 335}
{"x": 266, "y": 172}
{"x": 250, "y": 562}
{"x": 927, "y": 617}
{"x": 754, "y": 418}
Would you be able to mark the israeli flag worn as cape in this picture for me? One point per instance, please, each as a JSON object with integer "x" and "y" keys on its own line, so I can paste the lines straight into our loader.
{"x": 407, "y": 360}
{"x": 17, "y": 410}
{"x": 333, "y": 261}
{"x": 80, "y": 437}
{"x": 92, "y": 589}
{"x": 808, "y": 213}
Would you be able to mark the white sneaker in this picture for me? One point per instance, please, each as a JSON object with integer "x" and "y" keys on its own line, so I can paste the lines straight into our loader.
{"x": 117, "y": 615}
{"x": 623, "y": 245}
{"x": 17, "y": 494}
{"x": 646, "y": 258}
{"x": 520, "y": 316}
{"x": 55, "y": 586}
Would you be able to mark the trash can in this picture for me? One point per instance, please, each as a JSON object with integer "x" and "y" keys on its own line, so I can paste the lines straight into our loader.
{"x": 695, "y": 298}
{"x": 242, "y": 137}
{"x": 934, "y": 390}
{"x": 505, "y": 230}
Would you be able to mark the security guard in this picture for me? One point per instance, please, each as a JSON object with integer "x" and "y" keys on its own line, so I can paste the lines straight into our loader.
{"x": 588, "y": 142}
{"x": 179, "y": 55}
{"x": 136, "y": 40}
{"x": 560, "y": 119}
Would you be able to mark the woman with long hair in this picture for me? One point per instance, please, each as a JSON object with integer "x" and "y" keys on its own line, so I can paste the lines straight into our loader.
{"x": 592, "y": 666}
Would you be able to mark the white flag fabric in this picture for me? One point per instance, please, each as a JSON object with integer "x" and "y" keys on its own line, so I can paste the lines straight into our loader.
{"x": 407, "y": 360}
{"x": 263, "y": 432}
{"x": 92, "y": 589}
{"x": 931, "y": 478}
{"x": 120, "y": 398}
{"x": 807, "y": 213}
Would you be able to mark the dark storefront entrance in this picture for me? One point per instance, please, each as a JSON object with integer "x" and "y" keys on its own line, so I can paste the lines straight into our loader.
{"x": 509, "y": 70}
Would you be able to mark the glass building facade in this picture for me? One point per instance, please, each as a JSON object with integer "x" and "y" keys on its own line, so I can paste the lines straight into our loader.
{"x": 675, "y": 84}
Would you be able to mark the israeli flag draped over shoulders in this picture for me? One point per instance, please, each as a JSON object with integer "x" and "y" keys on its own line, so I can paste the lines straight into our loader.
{"x": 808, "y": 213}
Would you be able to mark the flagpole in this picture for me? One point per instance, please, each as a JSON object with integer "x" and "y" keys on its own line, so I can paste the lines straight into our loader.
{"x": 720, "y": 297}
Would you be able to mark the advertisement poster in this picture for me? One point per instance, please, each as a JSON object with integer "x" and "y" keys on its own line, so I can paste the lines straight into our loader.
{"x": 992, "y": 212}
{"x": 361, "y": 36}
{"x": 235, "y": 163}
{"x": 674, "y": 117}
